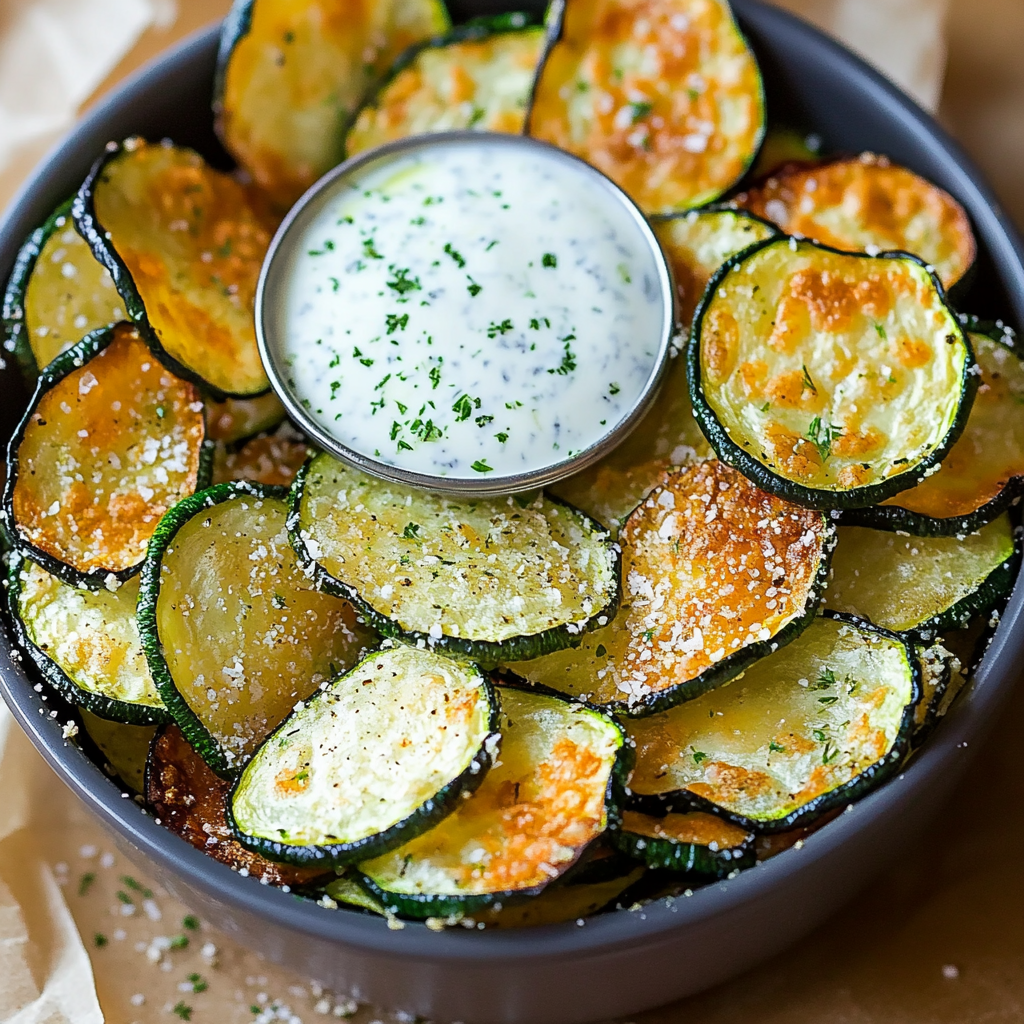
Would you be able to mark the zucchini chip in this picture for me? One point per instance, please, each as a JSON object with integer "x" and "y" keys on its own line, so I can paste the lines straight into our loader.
{"x": 110, "y": 441}
{"x": 479, "y": 76}
{"x": 922, "y": 584}
{"x": 697, "y": 842}
{"x": 237, "y": 419}
{"x": 812, "y": 726}
{"x": 234, "y": 632}
{"x": 698, "y": 242}
{"x": 494, "y": 580}
{"x": 273, "y": 460}
{"x": 291, "y": 72}
{"x": 378, "y": 757}
{"x": 783, "y": 147}
{"x": 663, "y": 96}
{"x": 941, "y": 675}
{"x": 124, "y": 748}
{"x": 830, "y": 379}
{"x": 85, "y": 643}
{"x": 190, "y": 801}
{"x": 716, "y": 574}
{"x": 57, "y": 293}
{"x": 184, "y": 246}
{"x": 983, "y": 472}
{"x": 866, "y": 204}
{"x": 557, "y": 786}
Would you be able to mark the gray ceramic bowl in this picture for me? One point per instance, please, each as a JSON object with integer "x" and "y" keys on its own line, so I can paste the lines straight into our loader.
{"x": 621, "y": 962}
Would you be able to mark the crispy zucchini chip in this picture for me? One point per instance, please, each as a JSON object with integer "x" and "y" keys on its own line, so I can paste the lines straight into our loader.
{"x": 110, "y": 441}
{"x": 941, "y": 674}
{"x": 291, "y": 72}
{"x": 663, "y": 96}
{"x": 190, "y": 801}
{"x": 812, "y": 726}
{"x": 834, "y": 380}
{"x": 477, "y": 77}
{"x": 785, "y": 146}
{"x": 922, "y": 584}
{"x": 555, "y": 788}
{"x": 698, "y": 242}
{"x": 125, "y": 748}
{"x": 272, "y": 460}
{"x": 377, "y": 758}
{"x": 867, "y": 204}
{"x": 493, "y": 579}
{"x": 716, "y": 574}
{"x": 982, "y": 473}
{"x": 236, "y": 419}
{"x": 57, "y": 293}
{"x": 85, "y": 643}
{"x": 185, "y": 247}
{"x": 234, "y": 631}
{"x": 696, "y": 841}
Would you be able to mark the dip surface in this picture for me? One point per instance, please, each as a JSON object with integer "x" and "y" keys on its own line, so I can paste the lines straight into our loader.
{"x": 468, "y": 308}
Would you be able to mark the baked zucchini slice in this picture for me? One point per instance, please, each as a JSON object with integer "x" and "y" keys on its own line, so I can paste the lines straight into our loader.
{"x": 190, "y": 800}
{"x": 813, "y": 726}
{"x": 85, "y": 643}
{"x": 273, "y": 459}
{"x": 942, "y": 676}
{"x": 559, "y": 783}
{"x": 784, "y": 146}
{"x": 494, "y": 580}
{"x": 695, "y": 842}
{"x": 184, "y": 247}
{"x": 663, "y": 96}
{"x": 716, "y": 574}
{"x": 237, "y": 419}
{"x": 922, "y": 584}
{"x": 698, "y": 242}
{"x": 234, "y": 632}
{"x": 834, "y": 380}
{"x": 57, "y": 293}
{"x": 124, "y": 748}
{"x": 344, "y": 890}
{"x": 291, "y": 72}
{"x": 478, "y": 77}
{"x": 867, "y": 204}
{"x": 110, "y": 441}
{"x": 381, "y": 755}
{"x": 983, "y": 472}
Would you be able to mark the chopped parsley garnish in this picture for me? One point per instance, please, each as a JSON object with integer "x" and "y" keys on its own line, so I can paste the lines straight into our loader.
{"x": 425, "y": 431}
{"x": 613, "y": 389}
{"x": 503, "y": 328}
{"x": 535, "y": 323}
{"x": 823, "y": 435}
{"x": 100, "y": 940}
{"x": 776, "y": 748}
{"x": 808, "y": 383}
{"x": 356, "y": 354}
{"x": 147, "y": 894}
{"x": 382, "y": 382}
{"x": 198, "y": 983}
{"x": 183, "y": 1010}
{"x": 435, "y": 375}
{"x": 125, "y": 898}
{"x": 624, "y": 273}
{"x": 826, "y": 679}
{"x": 396, "y": 322}
{"x": 369, "y": 249}
{"x": 455, "y": 255}
{"x": 830, "y": 753}
{"x": 464, "y": 406}
{"x": 179, "y": 942}
{"x": 85, "y": 882}
{"x": 513, "y": 405}
{"x": 411, "y": 531}
{"x": 502, "y": 437}
{"x": 819, "y": 734}
{"x": 880, "y": 331}
{"x": 396, "y": 429}
{"x": 549, "y": 259}
{"x": 640, "y": 110}
{"x": 481, "y": 467}
{"x": 699, "y": 756}
{"x": 568, "y": 363}
{"x": 401, "y": 282}
{"x": 827, "y": 700}
{"x": 473, "y": 288}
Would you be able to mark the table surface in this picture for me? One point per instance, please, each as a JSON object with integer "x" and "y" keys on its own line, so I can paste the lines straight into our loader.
{"x": 937, "y": 939}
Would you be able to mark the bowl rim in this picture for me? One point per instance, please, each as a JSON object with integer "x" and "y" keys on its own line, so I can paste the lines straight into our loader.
{"x": 975, "y": 712}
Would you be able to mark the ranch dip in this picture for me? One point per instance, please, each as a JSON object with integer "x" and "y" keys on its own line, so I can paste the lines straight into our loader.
{"x": 468, "y": 309}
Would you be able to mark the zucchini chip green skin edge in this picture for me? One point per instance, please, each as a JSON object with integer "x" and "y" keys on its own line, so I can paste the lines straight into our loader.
{"x": 896, "y": 519}
{"x": 235, "y": 27}
{"x": 511, "y": 23}
{"x": 924, "y": 728}
{"x": 811, "y": 497}
{"x": 83, "y": 210}
{"x": 682, "y": 800}
{"x": 486, "y": 652}
{"x": 739, "y": 661}
{"x": 13, "y": 318}
{"x": 426, "y": 816}
{"x": 149, "y": 592}
{"x": 111, "y": 709}
{"x": 684, "y": 858}
{"x": 426, "y": 905}
{"x": 67, "y": 362}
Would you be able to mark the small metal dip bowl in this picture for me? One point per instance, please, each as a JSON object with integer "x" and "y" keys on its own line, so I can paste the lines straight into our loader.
{"x": 273, "y": 284}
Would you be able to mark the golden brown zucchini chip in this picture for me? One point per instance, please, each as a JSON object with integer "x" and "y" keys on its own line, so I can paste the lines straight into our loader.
{"x": 189, "y": 800}
{"x": 696, "y": 841}
{"x": 111, "y": 440}
{"x": 291, "y": 72}
{"x": 942, "y": 676}
{"x": 982, "y": 473}
{"x": 185, "y": 247}
{"x": 831, "y": 379}
{"x": 867, "y": 204}
{"x": 477, "y": 77}
{"x": 236, "y": 419}
{"x": 556, "y": 786}
{"x": 715, "y": 574}
{"x": 812, "y": 726}
{"x": 273, "y": 459}
{"x": 663, "y": 96}
{"x": 57, "y": 293}
{"x": 234, "y": 632}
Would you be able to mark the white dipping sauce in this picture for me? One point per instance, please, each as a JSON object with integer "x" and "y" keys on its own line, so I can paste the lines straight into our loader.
{"x": 469, "y": 309}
